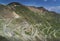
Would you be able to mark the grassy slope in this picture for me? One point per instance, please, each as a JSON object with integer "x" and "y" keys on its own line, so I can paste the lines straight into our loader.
{"x": 50, "y": 22}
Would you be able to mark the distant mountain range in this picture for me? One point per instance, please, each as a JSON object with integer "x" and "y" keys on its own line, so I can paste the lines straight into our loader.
{"x": 28, "y": 23}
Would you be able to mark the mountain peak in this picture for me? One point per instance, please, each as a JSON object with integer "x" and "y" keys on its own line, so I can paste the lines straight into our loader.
{"x": 42, "y": 9}
{"x": 14, "y": 3}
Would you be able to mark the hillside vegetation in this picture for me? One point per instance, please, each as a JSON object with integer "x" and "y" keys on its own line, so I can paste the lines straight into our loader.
{"x": 24, "y": 23}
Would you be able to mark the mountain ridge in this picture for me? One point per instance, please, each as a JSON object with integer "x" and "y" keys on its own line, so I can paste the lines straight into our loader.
{"x": 40, "y": 8}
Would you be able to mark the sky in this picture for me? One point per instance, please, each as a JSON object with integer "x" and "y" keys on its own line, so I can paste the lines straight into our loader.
{"x": 52, "y": 5}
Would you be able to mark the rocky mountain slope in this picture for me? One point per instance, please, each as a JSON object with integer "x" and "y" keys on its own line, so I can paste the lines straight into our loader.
{"x": 26, "y": 23}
